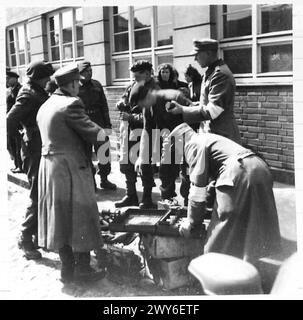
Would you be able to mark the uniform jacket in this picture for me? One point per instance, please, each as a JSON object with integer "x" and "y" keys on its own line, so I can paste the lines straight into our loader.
{"x": 217, "y": 95}
{"x": 95, "y": 102}
{"x": 68, "y": 212}
{"x": 11, "y": 96}
{"x": 135, "y": 121}
{"x": 244, "y": 221}
{"x": 28, "y": 101}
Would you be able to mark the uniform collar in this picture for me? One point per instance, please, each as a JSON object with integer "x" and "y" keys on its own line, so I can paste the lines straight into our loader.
{"x": 85, "y": 84}
{"x": 212, "y": 67}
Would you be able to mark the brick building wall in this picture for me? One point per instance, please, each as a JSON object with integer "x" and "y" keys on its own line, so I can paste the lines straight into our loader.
{"x": 265, "y": 118}
{"x": 113, "y": 94}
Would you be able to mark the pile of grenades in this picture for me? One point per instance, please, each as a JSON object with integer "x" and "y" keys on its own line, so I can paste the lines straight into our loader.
{"x": 108, "y": 216}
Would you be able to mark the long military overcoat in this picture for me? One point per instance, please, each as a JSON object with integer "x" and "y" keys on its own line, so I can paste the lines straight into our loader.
{"x": 68, "y": 212}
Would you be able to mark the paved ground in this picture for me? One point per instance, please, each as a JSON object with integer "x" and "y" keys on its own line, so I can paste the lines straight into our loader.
{"x": 39, "y": 280}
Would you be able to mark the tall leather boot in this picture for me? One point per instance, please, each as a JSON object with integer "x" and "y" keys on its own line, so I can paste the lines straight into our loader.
{"x": 147, "y": 202}
{"x": 131, "y": 198}
{"x": 67, "y": 264}
{"x": 30, "y": 252}
{"x": 83, "y": 270}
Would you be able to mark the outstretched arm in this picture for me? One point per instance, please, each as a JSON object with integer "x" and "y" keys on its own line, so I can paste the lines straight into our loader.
{"x": 219, "y": 89}
{"x": 78, "y": 120}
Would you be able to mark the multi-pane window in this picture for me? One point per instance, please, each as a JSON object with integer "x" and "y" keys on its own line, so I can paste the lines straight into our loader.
{"x": 18, "y": 45}
{"x": 65, "y": 31}
{"x": 236, "y": 20}
{"x": 120, "y": 25}
{"x": 256, "y": 40}
{"x": 140, "y": 33}
{"x": 142, "y": 27}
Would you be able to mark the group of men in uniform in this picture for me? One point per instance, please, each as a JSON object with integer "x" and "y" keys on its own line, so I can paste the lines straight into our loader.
{"x": 58, "y": 134}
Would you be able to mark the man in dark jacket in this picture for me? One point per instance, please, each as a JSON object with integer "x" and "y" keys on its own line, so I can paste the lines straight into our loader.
{"x": 92, "y": 94}
{"x": 132, "y": 119}
{"x": 30, "y": 97}
{"x": 13, "y": 142}
{"x": 13, "y": 87}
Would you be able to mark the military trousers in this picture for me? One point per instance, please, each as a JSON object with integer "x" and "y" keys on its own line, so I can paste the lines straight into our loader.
{"x": 30, "y": 166}
{"x": 128, "y": 169}
{"x": 104, "y": 169}
{"x": 14, "y": 149}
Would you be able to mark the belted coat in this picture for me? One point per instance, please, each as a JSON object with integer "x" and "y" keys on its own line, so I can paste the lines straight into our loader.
{"x": 68, "y": 212}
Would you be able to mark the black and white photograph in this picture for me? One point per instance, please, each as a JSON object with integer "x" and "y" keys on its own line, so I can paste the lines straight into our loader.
{"x": 152, "y": 150}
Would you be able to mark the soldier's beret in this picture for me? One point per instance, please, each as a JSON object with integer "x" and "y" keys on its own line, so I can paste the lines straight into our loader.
{"x": 141, "y": 65}
{"x": 83, "y": 65}
{"x": 137, "y": 93}
{"x": 67, "y": 74}
{"x": 39, "y": 70}
{"x": 204, "y": 45}
{"x": 12, "y": 74}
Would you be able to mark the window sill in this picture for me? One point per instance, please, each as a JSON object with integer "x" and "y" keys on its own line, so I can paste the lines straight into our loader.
{"x": 277, "y": 81}
{"x": 116, "y": 86}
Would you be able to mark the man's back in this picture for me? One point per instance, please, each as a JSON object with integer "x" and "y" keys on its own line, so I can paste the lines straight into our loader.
{"x": 64, "y": 126}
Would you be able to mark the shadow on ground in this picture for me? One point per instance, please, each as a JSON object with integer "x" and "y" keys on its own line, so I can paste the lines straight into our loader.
{"x": 289, "y": 247}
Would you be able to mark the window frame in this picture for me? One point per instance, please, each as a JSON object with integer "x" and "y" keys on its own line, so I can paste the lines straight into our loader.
{"x": 61, "y": 62}
{"x": 131, "y": 54}
{"x": 255, "y": 41}
{"x": 27, "y": 53}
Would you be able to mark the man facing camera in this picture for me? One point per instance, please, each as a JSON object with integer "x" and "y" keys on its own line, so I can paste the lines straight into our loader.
{"x": 92, "y": 94}
{"x": 68, "y": 212}
{"x": 132, "y": 121}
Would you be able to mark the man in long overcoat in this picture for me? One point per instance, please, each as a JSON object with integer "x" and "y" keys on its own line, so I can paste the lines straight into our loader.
{"x": 215, "y": 109}
{"x": 68, "y": 212}
{"x": 244, "y": 220}
{"x": 29, "y": 99}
